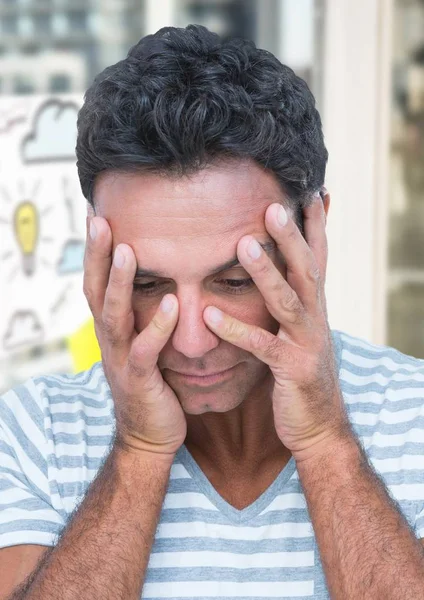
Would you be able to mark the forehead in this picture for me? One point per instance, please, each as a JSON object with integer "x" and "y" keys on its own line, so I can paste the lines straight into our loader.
{"x": 198, "y": 216}
{"x": 238, "y": 190}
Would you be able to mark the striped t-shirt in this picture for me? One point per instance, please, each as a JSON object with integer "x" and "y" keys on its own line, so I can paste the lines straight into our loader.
{"x": 55, "y": 432}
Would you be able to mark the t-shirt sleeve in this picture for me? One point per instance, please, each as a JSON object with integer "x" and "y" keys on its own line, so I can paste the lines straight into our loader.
{"x": 419, "y": 523}
{"x": 27, "y": 515}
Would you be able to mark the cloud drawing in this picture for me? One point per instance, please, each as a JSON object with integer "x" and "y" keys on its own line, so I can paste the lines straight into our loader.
{"x": 72, "y": 258}
{"x": 24, "y": 329}
{"x": 54, "y": 133}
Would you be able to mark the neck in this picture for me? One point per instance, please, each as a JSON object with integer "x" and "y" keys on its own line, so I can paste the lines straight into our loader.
{"x": 241, "y": 441}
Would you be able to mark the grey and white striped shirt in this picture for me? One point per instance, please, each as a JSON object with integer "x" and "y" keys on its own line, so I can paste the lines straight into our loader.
{"x": 55, "y": 432}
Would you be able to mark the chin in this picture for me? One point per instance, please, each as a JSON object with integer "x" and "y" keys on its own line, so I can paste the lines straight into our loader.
{"x": 200, "y": 405}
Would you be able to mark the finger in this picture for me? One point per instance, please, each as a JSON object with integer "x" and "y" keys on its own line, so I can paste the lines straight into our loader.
{"x": 281, "y": 300}
{"x": 144, "y": 353}
{"x": 261, "y": 343}
{"x": 90, "y": 215}
{"x": 302, "y": 270}
{"x": 315, "y": 234}
{"x": 97, "y": 262}
{"x": 118, "y": 314}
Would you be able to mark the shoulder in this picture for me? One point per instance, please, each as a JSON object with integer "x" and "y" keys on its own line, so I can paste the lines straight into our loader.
{"x": 57, "y": 429}
{"x": 85, "y": 393}
{"x": 91, "y": 382}
{"x": 37, "y": 411}
{"x": 369, "y": 367}
{"x": 33, "y": 398}
{"x": 383, "y": 390}
{"x": 44, "y": 467}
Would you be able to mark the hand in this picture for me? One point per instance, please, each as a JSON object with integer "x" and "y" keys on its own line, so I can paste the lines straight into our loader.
{"x": 148, "y": 414}
{"x": 307, "y": 401}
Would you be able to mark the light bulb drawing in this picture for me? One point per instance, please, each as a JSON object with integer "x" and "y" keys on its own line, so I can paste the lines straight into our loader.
{"x": 26, "y": 223}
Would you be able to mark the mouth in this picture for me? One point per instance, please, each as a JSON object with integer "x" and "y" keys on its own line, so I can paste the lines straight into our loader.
{"x": 206, "y": 379}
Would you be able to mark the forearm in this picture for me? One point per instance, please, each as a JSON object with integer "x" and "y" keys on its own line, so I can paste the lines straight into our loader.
{"x": 366, "y": 546}
{"x": 104, "y": 551}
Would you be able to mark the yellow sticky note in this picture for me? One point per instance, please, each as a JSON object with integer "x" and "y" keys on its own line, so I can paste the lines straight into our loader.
{"x": 84, "y": 347}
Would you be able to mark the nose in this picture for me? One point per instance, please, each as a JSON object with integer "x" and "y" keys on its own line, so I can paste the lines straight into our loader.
{"x": 191, "y": 335}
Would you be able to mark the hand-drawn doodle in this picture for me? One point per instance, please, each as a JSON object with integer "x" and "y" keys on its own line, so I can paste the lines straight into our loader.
{"x": 72, "y": 258}
{"x": 23, "y": 329}
{"x": 69, "y": 203}
{"x": 14, "y": 116}
{"x": 42, "y": 246}
{"x": 61, "y": 299}
{"x": 13, "y": 273}
{"x": 5, "y": 194}
{"x": 26, "y": 227}
{"x": 6, "y": 255}
{"x": 24, "y": 221}
{"x": 54, "y": 133}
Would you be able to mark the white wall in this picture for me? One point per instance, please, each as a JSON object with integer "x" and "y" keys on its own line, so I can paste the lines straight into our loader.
{"x": 355, "y": 114}
{"x": 160, "y": 14}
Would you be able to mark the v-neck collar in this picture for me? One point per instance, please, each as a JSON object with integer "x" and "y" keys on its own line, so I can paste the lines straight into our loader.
{"x": 233, "y": 514}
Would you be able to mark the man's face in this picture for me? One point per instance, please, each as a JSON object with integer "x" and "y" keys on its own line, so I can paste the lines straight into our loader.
{"x": 182, "y": 229}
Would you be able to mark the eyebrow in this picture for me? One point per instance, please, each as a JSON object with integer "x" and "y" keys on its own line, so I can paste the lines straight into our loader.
{"x": 268, "y": 247}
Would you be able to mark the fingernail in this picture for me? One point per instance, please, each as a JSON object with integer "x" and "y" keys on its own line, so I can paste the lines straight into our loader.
{"x": 281, "y": 216}
{"x": 119, "y": 259}
{"x": 93, "y": 230}
{"x": 254, "y": 249}
{"x": 167, "y": 304}
{"x": 214, "y": 315}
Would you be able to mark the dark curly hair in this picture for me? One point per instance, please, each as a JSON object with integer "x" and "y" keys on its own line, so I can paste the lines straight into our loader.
{"x": 184, "y": 98}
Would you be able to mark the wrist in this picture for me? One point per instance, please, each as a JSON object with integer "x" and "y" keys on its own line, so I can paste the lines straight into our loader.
{"x": 127, "y": 454}
{"x": 340, "y": 443}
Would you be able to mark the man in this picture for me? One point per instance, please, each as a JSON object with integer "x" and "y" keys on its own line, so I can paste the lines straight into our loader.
{"x": 257, "y": 455}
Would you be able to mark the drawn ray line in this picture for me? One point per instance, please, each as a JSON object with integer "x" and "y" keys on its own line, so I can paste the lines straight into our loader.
{"x": 61, "y": 298}
{"x": 5, "y": 194}
{"x": 47, "y": 263}
{"x": 5, "y": 221}
{"x": 13, "y": 274}
{"x": 7, "y": 255}
{"x": 36, "y": 188}
{"x": 11, "y": 123}
{"x": 46, "y": 210}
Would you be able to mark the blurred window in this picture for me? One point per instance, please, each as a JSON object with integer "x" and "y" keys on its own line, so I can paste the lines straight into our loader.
{"x": 59, "y": 83}
{"x": 30, "y": 48}
{"x": 23, "y": 84}
{"x": 234, "y": 18}
{"x": 405, "y": 319}
{"x": 100, "y": 33}
{"x": 9, "y": 24}
{"x": 77, "y": 20}
{"x": 42, "y": 23}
